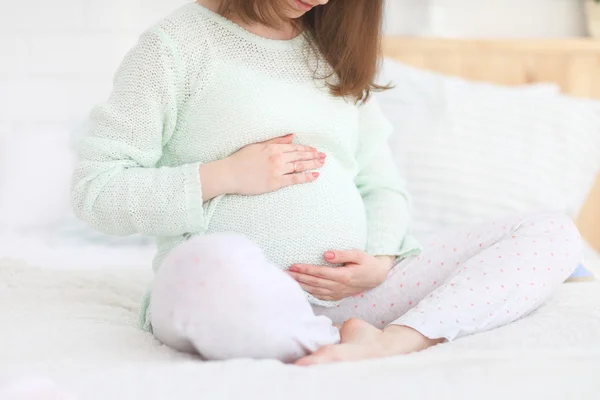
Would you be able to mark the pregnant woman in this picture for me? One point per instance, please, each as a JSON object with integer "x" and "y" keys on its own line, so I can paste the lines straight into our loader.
{"x": 244, "y": 137}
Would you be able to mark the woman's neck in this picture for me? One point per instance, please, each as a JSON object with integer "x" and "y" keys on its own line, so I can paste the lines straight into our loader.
{"x": 286, "y": 30}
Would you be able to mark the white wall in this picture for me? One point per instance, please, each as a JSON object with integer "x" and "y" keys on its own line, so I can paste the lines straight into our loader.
{"x": 58, "y": 56}
{"x": 487, "y": 18}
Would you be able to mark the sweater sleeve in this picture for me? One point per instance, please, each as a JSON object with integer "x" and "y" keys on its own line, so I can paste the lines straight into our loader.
{"x": 386, "y": 201}
{"x": 119, "y": 187}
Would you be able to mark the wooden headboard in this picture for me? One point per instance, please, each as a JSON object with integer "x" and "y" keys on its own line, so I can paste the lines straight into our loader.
{"x": 573, "y": 64}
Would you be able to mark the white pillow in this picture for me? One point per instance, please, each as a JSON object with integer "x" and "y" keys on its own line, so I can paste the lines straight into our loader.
{"x": 472, "y": 151}
{"x": 35, "y": 171}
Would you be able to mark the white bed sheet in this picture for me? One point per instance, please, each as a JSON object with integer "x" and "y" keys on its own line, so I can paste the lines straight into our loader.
{"x": 42, "y": 248}
{"x": 78, "y": 327}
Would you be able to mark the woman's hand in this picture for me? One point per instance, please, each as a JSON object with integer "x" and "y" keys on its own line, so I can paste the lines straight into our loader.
{"x": 361, "y": 272}
{"x": 261, "y": 168}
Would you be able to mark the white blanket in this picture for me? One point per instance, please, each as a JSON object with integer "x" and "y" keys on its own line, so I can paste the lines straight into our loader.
{"x": 79, "y": 328}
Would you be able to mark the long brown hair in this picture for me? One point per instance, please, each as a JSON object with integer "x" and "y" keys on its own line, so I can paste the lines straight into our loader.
{"x": 347, "y": 33}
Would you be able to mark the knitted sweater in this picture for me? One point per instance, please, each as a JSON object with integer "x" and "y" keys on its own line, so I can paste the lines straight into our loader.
{"x": 196, "y": 88}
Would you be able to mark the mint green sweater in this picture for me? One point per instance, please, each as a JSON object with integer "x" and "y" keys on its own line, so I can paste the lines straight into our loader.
{"x": 197, "y": 88}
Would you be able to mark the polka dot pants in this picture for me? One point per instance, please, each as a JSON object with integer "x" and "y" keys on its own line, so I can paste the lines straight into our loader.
{"x": 208, "y": 300}
{"x": 472, "y": 279}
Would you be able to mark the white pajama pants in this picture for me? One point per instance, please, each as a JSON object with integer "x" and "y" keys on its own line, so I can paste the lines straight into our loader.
{"x": 218, "y": 296}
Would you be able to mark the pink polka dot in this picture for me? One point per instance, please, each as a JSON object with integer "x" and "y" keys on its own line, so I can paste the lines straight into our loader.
{"x": 442, "y": 264}
{"x": 452, "y": 284}
{"x": 418, "y": 258}
{"x": 392, "y": 305}
{"x": 518, "y": 284}
{"x": 508, "y": 311}
{"x": 518, "y": 269}
{"x": 439, "y": 308}
{"x": 552, "y": 254}
{"x": 454, "y": 249}
{"x": 549, "y": 269}
{"x": 487, "y": 287}
{"x": 501, "y": 270}
{"x": 514, "y": 237}
{"x": 534, "y": 268}
{"x": 362, "y": 295}
{"x": 532, "y": 224}
{"x": 468, "y": 279}
{"x": 434, "y": 283}
{"x": 480, "y": 244}
{"x": 429, "y": 262}
{"x": 458, "y": 263}
{"x": 535, "y": 253}
{"x": 526, "y": 298}
{"x": 505, "y": 300}
{"x": 455, "y": 306}
{"x": 356, "y": 306}
{"x": 471, "y": 289}
{"x": 491, "y": 314}
{"x": 374, "y": 305}
{"x": 488, "y": 303}
{"x": 418, "y": 283}
{"x": 410, "y": 303}
{"x": 401, "y": 285}
{"x": 472, "y": 305}
{"x": 502, "y": 286}
{"x": 518, "y": 254}
{"x": 338, "y": 306}
{"x": 383, "y": 322}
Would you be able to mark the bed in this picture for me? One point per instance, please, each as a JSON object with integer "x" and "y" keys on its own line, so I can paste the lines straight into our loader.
{"x": 73, "y": 330}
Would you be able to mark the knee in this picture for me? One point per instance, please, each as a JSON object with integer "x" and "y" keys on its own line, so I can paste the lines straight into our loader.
{"x": 220, "y": 251}
{"x": 562, "y": 232}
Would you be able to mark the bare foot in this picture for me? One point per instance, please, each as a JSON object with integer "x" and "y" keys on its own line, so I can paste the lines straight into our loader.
{"x": 362, "y": 341}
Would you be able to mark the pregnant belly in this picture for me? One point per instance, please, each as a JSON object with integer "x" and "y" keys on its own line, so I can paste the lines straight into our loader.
{"x": 296, "y": 224}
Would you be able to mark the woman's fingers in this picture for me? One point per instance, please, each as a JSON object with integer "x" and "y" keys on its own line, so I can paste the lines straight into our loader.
{"x": 302, "y": 161}
{"x": 298, "y": 178}
{"x": 313, "y": 281}
{"x": 339, "y": 274}
{"x": 294, "y": 148}
{"x": 302, "y": 156}
{"x": 345, "y": 256}
{"x": 302, "y": 166}
{"x": 319, "y": 293}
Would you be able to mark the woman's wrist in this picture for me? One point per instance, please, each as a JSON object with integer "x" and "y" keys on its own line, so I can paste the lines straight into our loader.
{"x": 217, "y": 178}
{"x": 387, "y": 261}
